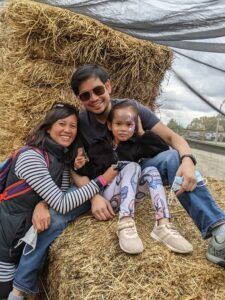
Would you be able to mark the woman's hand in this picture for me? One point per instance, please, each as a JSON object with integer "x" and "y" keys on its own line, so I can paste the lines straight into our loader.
{"x": 110, "y": 174}
{"x": 41, "y": 218}
{"x": 80, "y": 160}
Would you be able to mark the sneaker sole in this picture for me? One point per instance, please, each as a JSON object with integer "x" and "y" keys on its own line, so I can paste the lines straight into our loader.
{"x": 155, "y": 237}
{"x": 215, "y": 260}
{"x": 129, "y": 252}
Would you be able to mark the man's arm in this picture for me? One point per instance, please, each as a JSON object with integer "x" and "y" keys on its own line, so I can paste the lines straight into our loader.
{"x": 187, "y": 168}
{"x": 79, "y": 180}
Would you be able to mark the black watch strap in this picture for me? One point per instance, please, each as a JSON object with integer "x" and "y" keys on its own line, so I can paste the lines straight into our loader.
{"x": 99, "y": 183}
{"x": 190, "y": 156}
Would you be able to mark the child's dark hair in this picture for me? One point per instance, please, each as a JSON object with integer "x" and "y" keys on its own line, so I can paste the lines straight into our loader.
{"x": 124, "y": 105}
{"x": 58, "y": 111}
{"x": 85, "y": 72}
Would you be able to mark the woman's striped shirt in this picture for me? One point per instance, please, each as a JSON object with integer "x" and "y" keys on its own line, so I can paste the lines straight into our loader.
{"x": 31, "y": 166}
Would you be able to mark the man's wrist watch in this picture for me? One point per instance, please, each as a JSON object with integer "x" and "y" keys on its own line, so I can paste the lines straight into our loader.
{"x": 190, "y": 156}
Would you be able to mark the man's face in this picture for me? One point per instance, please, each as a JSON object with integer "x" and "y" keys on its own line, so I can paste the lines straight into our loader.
{"x": 97, "y": 104}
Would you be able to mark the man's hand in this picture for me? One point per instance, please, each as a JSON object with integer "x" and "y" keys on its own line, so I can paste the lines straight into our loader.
{"x": 41, "y": 218}
{"x": 140, "y": 128}
{"x": 101, "y": 208}
{"x": 187, "y": 171}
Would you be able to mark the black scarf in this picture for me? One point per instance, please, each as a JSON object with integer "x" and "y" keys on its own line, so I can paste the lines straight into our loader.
{"x": 61, "y": 153}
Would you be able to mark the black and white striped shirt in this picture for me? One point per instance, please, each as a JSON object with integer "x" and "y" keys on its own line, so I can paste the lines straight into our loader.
{"x": 7, "y": 271}
{"x": 31, "y": 166}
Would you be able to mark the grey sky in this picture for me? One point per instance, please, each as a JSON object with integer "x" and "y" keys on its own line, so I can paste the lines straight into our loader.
{"x": 176, "y": 101}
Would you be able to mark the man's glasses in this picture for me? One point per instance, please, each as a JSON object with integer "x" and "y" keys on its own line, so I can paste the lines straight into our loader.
{"x": 98, "y": 91}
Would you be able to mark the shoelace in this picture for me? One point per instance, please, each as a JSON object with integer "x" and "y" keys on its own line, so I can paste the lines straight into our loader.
{"x": 172, "y": 229}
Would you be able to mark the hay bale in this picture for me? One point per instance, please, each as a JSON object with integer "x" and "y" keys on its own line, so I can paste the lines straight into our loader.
{"x": 85, "y": 262}
{"x": 22, "y": 108}
{"x": 41, "y": 45}
{"x": 136, "y": 67}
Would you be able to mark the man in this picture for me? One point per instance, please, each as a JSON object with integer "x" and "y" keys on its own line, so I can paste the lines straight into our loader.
{"x": 92, "y": 86}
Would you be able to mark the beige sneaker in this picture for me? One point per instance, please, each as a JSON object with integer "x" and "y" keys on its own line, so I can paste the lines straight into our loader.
{"x": 168, "y": 235}
{"x": 129, "y": 240}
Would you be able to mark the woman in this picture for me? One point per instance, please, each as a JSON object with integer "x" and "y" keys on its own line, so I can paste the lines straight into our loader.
{"x": 45, "y": 166}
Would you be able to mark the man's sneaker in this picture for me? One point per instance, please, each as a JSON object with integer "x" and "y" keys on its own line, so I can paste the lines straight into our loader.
{"x": 216, "y": 252}
{"x": 168, "y": 235}
{"x": 129, "y": 240}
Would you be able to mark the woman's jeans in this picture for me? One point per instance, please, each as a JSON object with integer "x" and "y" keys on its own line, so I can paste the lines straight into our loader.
{"x": 30, "y": 265}
{"x": 199, "y": 204}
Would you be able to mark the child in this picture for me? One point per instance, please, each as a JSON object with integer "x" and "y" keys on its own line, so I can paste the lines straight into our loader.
{"x": 124, "y": 144}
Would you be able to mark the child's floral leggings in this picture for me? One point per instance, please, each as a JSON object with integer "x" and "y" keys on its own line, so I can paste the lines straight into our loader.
{"x": 130, "y": 187}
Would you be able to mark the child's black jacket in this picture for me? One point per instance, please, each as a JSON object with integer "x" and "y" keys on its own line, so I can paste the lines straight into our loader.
{"x": 102, "y": 155}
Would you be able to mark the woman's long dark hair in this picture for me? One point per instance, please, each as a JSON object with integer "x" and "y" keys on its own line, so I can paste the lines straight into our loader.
{"x": 38, "y": 135}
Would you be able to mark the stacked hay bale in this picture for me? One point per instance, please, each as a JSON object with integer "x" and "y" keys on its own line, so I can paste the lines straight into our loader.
{"x": 42, "y": 47}
{"x": 85, "y": 262}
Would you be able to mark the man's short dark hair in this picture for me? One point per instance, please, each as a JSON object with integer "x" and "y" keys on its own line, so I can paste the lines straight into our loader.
{"x": 85, "y": 72}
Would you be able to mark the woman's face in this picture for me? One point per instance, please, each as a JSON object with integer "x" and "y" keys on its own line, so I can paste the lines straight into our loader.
{"x": 64, "y": 131}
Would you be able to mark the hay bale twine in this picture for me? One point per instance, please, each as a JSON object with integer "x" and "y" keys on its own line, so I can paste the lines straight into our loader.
{"x": 85, "y": 262}
{"x": 42, "y": 47}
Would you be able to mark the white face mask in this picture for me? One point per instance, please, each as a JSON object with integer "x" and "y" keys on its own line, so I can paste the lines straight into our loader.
{"x": 30, "y": 239}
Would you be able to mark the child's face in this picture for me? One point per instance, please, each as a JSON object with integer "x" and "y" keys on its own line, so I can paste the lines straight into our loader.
{"x": 123, "y": 124}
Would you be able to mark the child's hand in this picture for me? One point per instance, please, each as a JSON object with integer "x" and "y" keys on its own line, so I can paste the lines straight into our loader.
{"x": 80, "y": 160}
{"x": 110, "y": 174}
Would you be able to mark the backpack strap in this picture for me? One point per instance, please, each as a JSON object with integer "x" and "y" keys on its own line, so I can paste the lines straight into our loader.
{"x": 20, "y": 187}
